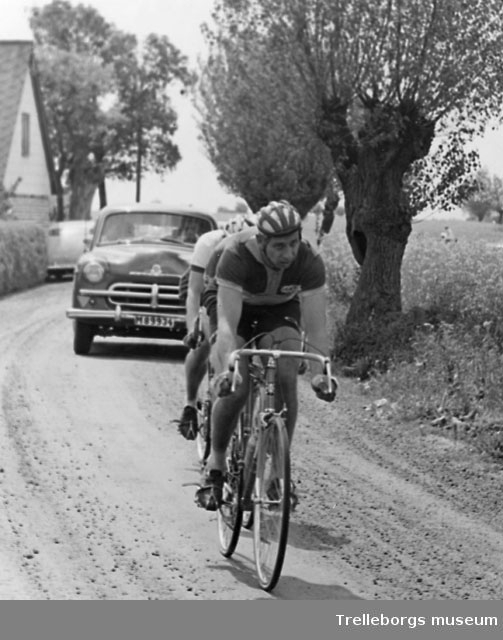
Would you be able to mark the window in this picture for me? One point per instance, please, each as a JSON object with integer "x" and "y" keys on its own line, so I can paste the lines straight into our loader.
{"x": 25, "y": 134}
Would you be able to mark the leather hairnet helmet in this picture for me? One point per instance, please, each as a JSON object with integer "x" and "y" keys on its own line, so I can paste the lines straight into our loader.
{"x": 278, "y": 219}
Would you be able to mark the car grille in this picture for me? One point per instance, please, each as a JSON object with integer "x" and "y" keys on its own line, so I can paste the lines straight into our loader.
{"x": 135, "y": 296}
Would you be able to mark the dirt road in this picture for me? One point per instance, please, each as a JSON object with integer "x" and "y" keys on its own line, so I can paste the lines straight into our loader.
{"x": 96, "y": 486}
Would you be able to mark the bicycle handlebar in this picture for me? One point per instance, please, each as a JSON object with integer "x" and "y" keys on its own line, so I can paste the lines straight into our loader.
{"x": 277, "y": 354}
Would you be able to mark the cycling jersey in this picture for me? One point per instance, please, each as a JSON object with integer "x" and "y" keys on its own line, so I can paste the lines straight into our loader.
{"x": 204, "y": 248}
{"x": 242, "y": 267}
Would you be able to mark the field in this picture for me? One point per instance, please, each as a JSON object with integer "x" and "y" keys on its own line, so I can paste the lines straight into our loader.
{"x": 442, "y": 363}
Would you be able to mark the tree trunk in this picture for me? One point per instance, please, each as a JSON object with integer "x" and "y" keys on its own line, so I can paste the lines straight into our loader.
{"x": 370, "y": 166}
{"x": 60, "y": 198}
{"x": 139, "y": 153}
{"x": 81, "y": 199}
{"x": 60, "y": 206}
{"x": 378, "y": 226}
{"x": 102, "y": 189}
{"x": 378, "y": 292}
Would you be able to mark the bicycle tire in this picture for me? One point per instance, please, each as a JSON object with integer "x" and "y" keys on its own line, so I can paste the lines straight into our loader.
{"x": 203, "y": 438}
{"x": 271, "y": 512}
{"x": 230, "y": 512}
{"x": 248, "y": 483}
{"x": 255, "y": 405}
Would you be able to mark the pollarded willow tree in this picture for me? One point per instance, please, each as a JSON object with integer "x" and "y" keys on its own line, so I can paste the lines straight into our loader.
{"x": 262, "y": 145}
{"x": 394, "y": 89}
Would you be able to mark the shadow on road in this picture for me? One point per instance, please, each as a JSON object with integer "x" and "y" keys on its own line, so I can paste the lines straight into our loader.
{"x": 314, "y": 537}
{"x": 292, "y": 588}
{"x": 288, "y": 587}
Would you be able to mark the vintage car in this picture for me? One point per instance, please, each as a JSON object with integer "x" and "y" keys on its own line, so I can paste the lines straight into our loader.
{"x": 66, "y": 242}
{"x": 127, "y": 283}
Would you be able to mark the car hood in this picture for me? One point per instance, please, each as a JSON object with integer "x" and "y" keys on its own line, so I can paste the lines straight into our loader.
{"x": 143, "y": 259}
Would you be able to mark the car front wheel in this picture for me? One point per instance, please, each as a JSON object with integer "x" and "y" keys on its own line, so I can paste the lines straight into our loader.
{"x": 83, "y": 335}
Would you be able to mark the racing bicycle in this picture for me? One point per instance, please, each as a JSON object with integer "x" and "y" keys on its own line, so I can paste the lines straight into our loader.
{"x": 257, "y": 480}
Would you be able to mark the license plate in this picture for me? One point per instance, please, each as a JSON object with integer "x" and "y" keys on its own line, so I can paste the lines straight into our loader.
{"x": 155, "y": 321}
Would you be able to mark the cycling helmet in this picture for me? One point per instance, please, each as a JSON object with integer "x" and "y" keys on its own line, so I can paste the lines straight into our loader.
{"x": 278, "y": 219}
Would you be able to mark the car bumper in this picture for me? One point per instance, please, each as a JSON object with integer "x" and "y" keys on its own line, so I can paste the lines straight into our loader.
{"x": 118, "y": 317}
{"x": 54, "y": 269}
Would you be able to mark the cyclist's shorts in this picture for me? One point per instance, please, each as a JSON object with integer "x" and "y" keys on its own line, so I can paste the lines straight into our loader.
{"x": 267, "y": 318}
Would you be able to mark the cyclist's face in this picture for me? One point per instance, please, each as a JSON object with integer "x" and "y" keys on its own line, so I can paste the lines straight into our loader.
{"x": 281, "y": 252}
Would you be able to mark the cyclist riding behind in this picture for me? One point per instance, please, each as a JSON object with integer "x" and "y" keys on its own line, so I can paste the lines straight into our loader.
{"x": 197, "y": 337}
{"x": 268, "y": 282}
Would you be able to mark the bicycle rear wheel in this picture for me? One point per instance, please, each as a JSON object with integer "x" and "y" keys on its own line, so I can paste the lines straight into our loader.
{"x": 271, "y": 503}
{"x": 230, "y": 513}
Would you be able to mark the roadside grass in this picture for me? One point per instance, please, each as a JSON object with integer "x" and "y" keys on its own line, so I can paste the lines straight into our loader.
{"x": 441, "y": 362}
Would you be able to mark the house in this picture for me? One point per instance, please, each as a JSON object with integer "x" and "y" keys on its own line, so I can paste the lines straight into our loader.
{"x": 26, "y": 166}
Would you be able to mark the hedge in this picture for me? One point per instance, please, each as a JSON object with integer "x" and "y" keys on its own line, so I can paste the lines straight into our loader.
{"x": 23, "y": 256}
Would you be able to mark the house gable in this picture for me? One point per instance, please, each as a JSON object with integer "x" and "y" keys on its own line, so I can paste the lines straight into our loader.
{"x": 26, "y": 165}
{"x": 14, "y": 59}
{"x": 25, "y": 160}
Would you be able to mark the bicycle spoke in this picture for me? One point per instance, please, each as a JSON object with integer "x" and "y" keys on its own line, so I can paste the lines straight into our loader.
{"x": 272, "y": 504}
{"x": 203, "y": 435}
{"x": 230, "y": 513}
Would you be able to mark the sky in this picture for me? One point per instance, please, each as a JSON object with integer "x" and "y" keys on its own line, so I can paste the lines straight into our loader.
{"x": 194, "y": 180}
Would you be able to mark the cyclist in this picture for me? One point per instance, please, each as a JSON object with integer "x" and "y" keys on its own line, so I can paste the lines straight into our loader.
{"x": 327, "y": 217}
{"x": 197, "y": 337}
{"x": 274, "y": 279}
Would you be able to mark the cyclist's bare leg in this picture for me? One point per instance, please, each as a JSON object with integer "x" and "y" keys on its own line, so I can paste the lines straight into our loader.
{"x": 288, "y": 339}
{"x": 225, "y": 415}
{"x": 195, "y": 369}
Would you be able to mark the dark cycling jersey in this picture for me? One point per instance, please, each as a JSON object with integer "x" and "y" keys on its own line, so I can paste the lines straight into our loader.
{"x": 270, "y": 296}
{"x": 242, "y": 267}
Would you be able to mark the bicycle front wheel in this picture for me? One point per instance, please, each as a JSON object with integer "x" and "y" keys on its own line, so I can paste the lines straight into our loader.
{"x": 230, "y": 512}
{"x": 271, "y": 503}
{"x": 251, "y": 426}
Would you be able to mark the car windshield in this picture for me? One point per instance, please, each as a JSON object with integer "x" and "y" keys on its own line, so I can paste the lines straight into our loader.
{"x": 148, "y": 227}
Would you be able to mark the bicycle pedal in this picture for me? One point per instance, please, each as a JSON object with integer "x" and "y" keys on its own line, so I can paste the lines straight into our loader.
{"x": 206, "y": 499}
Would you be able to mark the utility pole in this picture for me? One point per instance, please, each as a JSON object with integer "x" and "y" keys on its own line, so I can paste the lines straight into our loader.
{"x": 139, "y": 153}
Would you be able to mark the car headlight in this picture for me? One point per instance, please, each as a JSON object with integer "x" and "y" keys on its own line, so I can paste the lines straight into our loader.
{"x": 93, "y": 271}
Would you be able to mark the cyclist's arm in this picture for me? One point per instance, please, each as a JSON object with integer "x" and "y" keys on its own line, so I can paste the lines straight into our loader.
{"x": 195, "y": 288}
{"x": 313, "y": 309}
{"x": 229, "y": 308}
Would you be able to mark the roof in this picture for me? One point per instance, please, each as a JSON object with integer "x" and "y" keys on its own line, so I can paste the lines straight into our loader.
{"x": 157, "y": 206}
{"x": 16, "y": 58}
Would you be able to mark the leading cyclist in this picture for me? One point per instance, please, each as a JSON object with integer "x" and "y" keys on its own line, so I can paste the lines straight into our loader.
{"x": 269, "y": 282}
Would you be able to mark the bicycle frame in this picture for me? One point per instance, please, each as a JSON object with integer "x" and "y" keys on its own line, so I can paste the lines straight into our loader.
{"x": 266, "y": 463}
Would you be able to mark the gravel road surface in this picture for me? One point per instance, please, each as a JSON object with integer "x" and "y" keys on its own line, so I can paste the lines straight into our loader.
{"x": 97, "y": 487}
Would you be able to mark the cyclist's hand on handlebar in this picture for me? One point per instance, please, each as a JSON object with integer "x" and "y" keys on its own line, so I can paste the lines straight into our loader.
{"x": 321, "y": 385}
{"x": 222, "y": 384}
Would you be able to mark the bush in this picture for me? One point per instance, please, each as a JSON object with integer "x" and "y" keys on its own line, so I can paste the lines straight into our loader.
{"x": 456, "y": 285}
{"x": 23, "y": 256}
{"x": 441, "y": 360}
{"x": 371, "y": 347}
